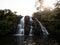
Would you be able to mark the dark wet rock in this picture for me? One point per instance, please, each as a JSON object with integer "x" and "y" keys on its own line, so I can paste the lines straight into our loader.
{"x": 36, "y": 28}
{"x": 27, "y": 25}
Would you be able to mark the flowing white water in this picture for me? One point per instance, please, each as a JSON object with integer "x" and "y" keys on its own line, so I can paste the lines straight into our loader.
{"x": 21, "y": 28}
{"x": 45, "y": 32}
{"x": 30, "y": 33}
{"x": 31, "y": 21}
{"x": 22, "y": 40}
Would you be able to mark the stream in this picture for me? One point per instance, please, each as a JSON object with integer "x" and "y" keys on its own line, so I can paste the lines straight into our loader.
{"x": 21, "y": 39}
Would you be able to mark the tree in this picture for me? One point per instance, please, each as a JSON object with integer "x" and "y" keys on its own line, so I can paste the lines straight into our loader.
{"x": 8, "y": 21}
{"x": 58, "y": 4}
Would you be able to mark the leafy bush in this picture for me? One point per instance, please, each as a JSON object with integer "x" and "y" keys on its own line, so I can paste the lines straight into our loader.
{"x": 8, "y": 21}
{"x": 51, "y": 20}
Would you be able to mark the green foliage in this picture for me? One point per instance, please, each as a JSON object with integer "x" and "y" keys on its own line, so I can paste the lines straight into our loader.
{"x": 8, "y": 21}
{"x": 50, "y": 19}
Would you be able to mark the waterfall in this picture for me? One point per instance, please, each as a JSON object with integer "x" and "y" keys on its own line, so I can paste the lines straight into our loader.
{"x": 21, "y": 28}
{"x": 31, "y": 21}
{"x": 44, "y": 30}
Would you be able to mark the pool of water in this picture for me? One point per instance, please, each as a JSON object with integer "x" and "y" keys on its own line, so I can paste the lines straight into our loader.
{"x": 27, "y": 40}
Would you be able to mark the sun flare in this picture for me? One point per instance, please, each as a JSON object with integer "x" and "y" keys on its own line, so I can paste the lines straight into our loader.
{"x": 49, "y": 3}
{"x": 45, "y": 4}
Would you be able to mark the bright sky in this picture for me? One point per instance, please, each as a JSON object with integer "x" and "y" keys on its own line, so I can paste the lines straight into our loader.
{"x": 23, "y": 7}
{"x": 49, "y": 4}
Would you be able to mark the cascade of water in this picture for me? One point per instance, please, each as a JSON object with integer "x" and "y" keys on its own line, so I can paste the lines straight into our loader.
{"x": 30, "y": 33}
{"x": 22, "y": 23}
{"x": 21, "y": 28}
{"x": 45, "y": 32}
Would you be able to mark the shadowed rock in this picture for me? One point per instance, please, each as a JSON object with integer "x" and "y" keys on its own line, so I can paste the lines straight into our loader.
{"x": 27, "y": 25}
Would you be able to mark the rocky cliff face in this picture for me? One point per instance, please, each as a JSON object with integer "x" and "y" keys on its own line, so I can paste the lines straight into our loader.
{"x": 36, "y": 30}
{"x": 27, "y": 25}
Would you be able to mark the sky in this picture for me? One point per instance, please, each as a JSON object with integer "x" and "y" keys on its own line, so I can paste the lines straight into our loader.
{"x": 23, "y": 7}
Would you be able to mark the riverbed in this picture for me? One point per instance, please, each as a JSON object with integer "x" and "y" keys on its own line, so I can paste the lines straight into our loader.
{"x": 27, "y": 40}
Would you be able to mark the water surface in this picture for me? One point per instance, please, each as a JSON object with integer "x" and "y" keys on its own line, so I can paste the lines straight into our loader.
{"x": 27, "y": 40}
